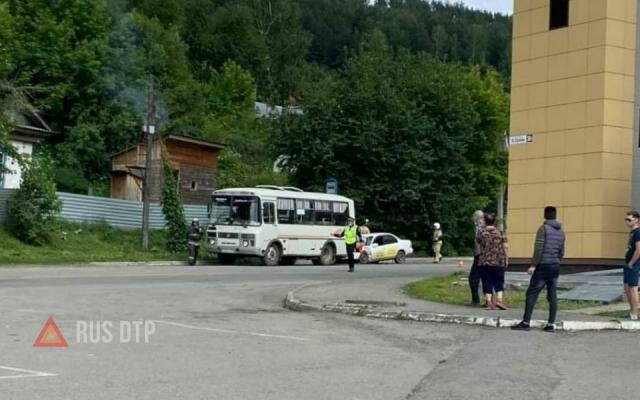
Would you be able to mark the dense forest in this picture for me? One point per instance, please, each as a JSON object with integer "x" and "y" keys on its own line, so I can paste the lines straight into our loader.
{"x": 404, "y": 101}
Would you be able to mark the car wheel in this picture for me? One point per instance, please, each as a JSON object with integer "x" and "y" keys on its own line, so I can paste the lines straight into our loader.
{"x": 271, "y": 255}
{"x": 364, "y": 258}
{"x": 401, "y": 257}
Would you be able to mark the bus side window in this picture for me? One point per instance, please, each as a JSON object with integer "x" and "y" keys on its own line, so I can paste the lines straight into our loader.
{"x": 340, "y": 213}
{"x": 324, "y": 216}
{"x": 304, "y": 211}
{"x": 286, "y": 211}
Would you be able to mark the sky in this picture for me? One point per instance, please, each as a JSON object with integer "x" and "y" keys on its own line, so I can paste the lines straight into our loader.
{"x": 503, "y": 6}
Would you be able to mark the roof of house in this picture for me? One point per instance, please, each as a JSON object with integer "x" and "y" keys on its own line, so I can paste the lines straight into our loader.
{"x": 29, "y": 127}
{"x": 179, "y": 138}
{"x": 200, "y": 142}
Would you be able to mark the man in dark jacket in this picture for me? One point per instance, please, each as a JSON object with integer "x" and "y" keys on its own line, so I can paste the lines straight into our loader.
{"x": 545, "y": 269}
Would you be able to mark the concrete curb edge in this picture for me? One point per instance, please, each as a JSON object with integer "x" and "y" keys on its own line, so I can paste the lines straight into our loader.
{"x": 294, "y": 304}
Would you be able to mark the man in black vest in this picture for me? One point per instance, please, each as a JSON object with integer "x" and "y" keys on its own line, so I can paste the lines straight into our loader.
{"x": 545, "y": 269}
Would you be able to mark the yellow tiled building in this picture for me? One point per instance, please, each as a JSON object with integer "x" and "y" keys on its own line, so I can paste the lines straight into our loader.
{"x": 573, "y": 90}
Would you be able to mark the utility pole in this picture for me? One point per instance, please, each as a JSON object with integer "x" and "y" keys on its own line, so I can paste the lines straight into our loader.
{"x": 149, "y": 129}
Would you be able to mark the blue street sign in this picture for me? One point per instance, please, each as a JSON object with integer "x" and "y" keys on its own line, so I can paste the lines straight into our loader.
{"x": 332, "y": 186}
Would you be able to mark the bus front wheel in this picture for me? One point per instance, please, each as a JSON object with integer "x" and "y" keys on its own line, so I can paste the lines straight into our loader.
{"x": 271, "y": 255}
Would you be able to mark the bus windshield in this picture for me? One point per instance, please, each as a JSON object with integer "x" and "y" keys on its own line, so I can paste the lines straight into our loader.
{"x": 235, "y": 210}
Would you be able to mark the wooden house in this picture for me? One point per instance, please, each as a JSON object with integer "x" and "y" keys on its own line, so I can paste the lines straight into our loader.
{"x": 28, "y": 130}
{"x": 194, "y": 162}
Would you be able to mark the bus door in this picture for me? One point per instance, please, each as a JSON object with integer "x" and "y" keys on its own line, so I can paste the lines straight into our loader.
{"x": 269, "y": 229}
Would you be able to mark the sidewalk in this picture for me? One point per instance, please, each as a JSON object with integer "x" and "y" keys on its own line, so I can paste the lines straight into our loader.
{"x": 384, "y": 298}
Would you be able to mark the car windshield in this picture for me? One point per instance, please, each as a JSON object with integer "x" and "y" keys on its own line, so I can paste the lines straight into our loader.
{"x": 235, "y": 210}
{"x": 368, "y": 240}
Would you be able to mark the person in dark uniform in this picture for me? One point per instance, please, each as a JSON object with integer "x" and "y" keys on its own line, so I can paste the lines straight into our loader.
{"x": 193, "y": 240}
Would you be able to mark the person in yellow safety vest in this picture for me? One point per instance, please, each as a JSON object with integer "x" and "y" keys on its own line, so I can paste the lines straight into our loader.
{"x": 351, "y": 236}
{"x": 437, "y": 243}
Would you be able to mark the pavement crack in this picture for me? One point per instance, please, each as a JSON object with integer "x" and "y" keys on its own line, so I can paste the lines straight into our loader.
{"x": 417, "y": 389}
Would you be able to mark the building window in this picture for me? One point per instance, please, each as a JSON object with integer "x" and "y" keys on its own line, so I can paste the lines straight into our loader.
{"x": 559, "y": 14}
{"x": 194, "y": 186}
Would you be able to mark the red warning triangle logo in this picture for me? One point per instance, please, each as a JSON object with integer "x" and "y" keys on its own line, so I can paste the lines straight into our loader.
{"x": 50, "y": 336}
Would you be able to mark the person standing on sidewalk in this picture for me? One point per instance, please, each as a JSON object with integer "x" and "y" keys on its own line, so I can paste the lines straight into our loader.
{"x": 545, "y": 269}
{"x": 474, "y": 274}
{"x": 437, "y": 243}
{"x": 493, "y": 259}
{"x": 632, "y": 263}
{"x": 351, "y": 236}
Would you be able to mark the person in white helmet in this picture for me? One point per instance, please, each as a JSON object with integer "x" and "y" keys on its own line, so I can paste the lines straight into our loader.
{"x": 437, "y": 243}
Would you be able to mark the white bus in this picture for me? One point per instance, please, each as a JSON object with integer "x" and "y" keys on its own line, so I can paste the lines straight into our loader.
{"x": 277, "y": 224}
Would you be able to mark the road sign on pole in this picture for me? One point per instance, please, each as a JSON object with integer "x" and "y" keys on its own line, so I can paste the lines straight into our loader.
{"x": 332, "y": 186}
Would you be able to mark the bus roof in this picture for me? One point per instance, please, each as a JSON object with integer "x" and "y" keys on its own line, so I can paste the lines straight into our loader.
{"x": 282, "y": 193}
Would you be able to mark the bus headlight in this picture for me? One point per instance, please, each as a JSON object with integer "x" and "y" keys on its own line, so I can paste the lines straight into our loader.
{"x": 245, "y": 243}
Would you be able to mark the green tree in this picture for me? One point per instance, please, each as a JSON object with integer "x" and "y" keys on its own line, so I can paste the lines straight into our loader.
{"x": 58, "y": 51}
{"x": 173, "y": 210}
{"x": 400, "y": 132}
{"x": 7, "y": 100}
{"x": 33, "y": 208}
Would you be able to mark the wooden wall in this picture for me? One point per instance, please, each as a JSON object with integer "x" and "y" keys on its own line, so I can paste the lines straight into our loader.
{"x": 126, "y": 187}
{"x": 195, "y": 166}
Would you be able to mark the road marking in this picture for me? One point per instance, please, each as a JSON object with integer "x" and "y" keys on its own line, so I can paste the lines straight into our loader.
{"x": 26, "y": 373}
{"x": 202, "y": 328}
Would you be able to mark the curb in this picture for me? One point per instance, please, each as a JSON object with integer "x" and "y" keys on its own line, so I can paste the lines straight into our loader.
{"x": 138, "y": 263}
{"x": 294, "y": 304}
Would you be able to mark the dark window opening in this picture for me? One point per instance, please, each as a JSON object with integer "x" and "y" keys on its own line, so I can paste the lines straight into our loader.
{"x": 387, "y": 239}
{"x": 559, "y": 14}
{"x": 340, "y": 213}
{"x": 194, "y": 185}
{"x": 269, "y": 213}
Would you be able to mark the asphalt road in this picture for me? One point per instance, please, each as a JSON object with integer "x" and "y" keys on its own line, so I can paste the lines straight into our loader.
{"x": 221, "y": 333}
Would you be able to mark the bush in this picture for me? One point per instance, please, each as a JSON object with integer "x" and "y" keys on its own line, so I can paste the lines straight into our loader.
{"x": 34, "y": 206}
{"x": 173, "y": 210}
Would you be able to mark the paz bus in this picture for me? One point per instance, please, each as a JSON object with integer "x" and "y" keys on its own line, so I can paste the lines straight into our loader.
{"x": 277, "y": 224}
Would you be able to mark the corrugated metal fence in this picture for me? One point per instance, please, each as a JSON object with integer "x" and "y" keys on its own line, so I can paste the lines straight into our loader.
{"x": 5, "y": 195}
{"x": 118, "y": 213}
